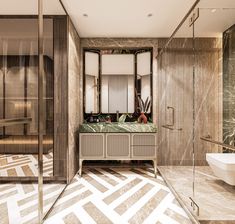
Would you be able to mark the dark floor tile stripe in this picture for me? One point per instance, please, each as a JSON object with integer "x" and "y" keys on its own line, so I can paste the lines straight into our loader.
{"x": 71, "y": 218}
{"x": 11, "y": 172}
{"x": 157, "y": 180}
{"x": 97, "y": 215}
{"x": 14, "y": 165}
{"x": 6, "y": 187}
{"x": 177, "y": 217}
{"x": 34, "y": 207}
{"x": 4, "y": 213}
{"x": 27, "y": 170}
{"x": 104, "y": 177}
{"x": 116, "y": 174}
{"x": 100, "y": 187}
{"x": 125, "y": 205}
{"x": 71, "y": 190}
{"x": 110, "y": 198}
{"x": 7, "y": 195}
{"x": 35, "y": 196}
{"x": 148, "y": 207}
{"x": 28, "y": 188}
{"x": 70, "y": 202}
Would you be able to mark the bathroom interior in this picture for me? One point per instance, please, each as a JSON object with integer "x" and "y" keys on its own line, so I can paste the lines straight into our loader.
{"x": 94, "y": 91}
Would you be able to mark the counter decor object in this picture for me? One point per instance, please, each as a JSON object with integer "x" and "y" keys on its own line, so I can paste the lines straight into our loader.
{"x": 144, "y": 107}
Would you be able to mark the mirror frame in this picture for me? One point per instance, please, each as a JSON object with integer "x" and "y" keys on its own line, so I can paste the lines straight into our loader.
{"x": 114, "y": 50}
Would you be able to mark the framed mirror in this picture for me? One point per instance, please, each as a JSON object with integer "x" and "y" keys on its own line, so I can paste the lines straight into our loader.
{"x": 115, "y": 80}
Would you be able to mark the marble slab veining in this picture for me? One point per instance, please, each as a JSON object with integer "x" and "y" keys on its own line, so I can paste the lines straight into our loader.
{"x": 117, "y": 127}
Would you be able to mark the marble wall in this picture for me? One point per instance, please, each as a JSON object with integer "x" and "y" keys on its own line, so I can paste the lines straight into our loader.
{"x": 74, "y": 99}
{"x": 228, "y": 86}
{"x": 197, "y": 102}
{"x": 173, "y": 86}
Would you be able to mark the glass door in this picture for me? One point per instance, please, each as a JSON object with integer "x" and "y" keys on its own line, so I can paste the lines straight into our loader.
{"x": 214, "y": 110}
{"x": 18, "y": 99}
{"x": 177, "y": 111}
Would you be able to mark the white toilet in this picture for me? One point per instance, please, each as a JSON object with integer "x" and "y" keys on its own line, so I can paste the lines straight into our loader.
{"x": 223, "y": 166}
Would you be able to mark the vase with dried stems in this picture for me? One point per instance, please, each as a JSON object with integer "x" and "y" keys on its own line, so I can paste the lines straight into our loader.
{"x": 144, "y": 107}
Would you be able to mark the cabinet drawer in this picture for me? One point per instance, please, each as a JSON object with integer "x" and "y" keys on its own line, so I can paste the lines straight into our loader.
{"x": 144, "y": 139}
{"x": 91, "y": 145}
{"x": 118, "y": 145}
{"x": 143, "y": 145}
{"x": 143, "y": 151}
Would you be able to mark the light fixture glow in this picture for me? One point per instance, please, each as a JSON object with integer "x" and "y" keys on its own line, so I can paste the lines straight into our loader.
{"x": 213, "y": 10}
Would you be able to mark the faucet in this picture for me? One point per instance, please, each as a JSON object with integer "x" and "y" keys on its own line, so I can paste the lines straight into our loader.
{"x": 117, "y": 114}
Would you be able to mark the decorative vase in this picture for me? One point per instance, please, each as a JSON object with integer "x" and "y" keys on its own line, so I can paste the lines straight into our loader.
{"x": 142, "y": 118}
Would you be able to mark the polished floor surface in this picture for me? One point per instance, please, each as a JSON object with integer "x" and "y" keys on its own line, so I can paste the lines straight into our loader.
{"x": 117, "y": 195}
{"x": 215, "y": 198}
{"x": 24, "y": 165}
{"x": 102, "y": 195}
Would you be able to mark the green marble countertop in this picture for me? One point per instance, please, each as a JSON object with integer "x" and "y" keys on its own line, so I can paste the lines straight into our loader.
{"x": 116, "y": 127}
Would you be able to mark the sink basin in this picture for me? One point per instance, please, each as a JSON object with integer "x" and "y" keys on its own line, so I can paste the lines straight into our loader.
{"x": 116, "y": 127}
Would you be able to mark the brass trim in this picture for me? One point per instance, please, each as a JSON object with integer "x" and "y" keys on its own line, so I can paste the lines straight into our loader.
{"x": 208, "y": 139}
{"x": 177, "y": 28}
{"x": 40, "y": 111}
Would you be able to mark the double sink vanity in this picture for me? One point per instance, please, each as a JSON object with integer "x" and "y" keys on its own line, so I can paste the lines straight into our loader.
{"x": 117, "y": 141}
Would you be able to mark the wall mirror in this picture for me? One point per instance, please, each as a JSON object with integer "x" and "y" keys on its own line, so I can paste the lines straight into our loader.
{"x": 114, "y": 79}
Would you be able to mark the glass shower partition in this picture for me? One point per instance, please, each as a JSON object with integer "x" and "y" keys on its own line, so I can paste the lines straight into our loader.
{"x": 177, "y": 112}
{"x": 214, "y": 110}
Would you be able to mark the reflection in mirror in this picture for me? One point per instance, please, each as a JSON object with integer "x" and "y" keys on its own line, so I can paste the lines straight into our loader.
{"x": 143, "y": 87}
{"x": 91, "y": 82}
{"x": 117, "y": 88}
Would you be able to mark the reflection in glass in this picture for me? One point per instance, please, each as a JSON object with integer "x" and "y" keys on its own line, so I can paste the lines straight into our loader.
{"x": 19, "y": 95}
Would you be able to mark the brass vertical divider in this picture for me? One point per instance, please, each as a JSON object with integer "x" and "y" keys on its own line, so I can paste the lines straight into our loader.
{"x": 40, "y": 111}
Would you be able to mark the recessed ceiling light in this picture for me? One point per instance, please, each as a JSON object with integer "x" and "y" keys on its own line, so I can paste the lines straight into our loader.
{"x": 213, "y": 10}
{"x": 150, "y": 15}
{"x": 85, "y": 15}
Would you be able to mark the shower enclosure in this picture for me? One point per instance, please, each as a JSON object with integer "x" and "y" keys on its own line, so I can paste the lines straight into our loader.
{"x": 196, "y": 104}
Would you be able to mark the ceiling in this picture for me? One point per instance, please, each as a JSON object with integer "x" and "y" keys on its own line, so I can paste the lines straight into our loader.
{"x": 30, "y": 7}
{"x": 126, "y": 18}
{"x": 129, "y": 18}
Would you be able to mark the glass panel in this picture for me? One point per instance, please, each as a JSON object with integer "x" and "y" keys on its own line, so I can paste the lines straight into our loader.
{"x": 55, "y": 107}
{"x": 18, "y": 52}
{"x": 214, "y": 110}
{"x": 176, "y": 112}
{"x": 18, "y": 112}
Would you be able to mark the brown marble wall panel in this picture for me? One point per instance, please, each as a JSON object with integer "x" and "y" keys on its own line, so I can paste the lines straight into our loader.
{"x": 60, "y": 96}
{"x": 176, "y": 72}
{"x": 74, "y": 97}
{"x": 208, "y": 96}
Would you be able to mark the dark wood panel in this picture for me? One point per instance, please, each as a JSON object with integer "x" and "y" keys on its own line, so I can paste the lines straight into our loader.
{"x": 60, "y": 96}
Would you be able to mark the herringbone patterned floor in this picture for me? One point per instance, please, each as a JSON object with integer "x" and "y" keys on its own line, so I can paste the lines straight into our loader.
{"x": 102, "y": 195}
{"x": 24, "y": 165}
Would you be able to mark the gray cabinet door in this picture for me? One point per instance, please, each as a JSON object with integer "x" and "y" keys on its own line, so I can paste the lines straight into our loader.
{"x": 118, "y": 146}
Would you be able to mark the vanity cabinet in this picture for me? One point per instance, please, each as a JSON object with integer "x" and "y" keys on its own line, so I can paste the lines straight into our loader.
{"x": 117, "y": 146}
